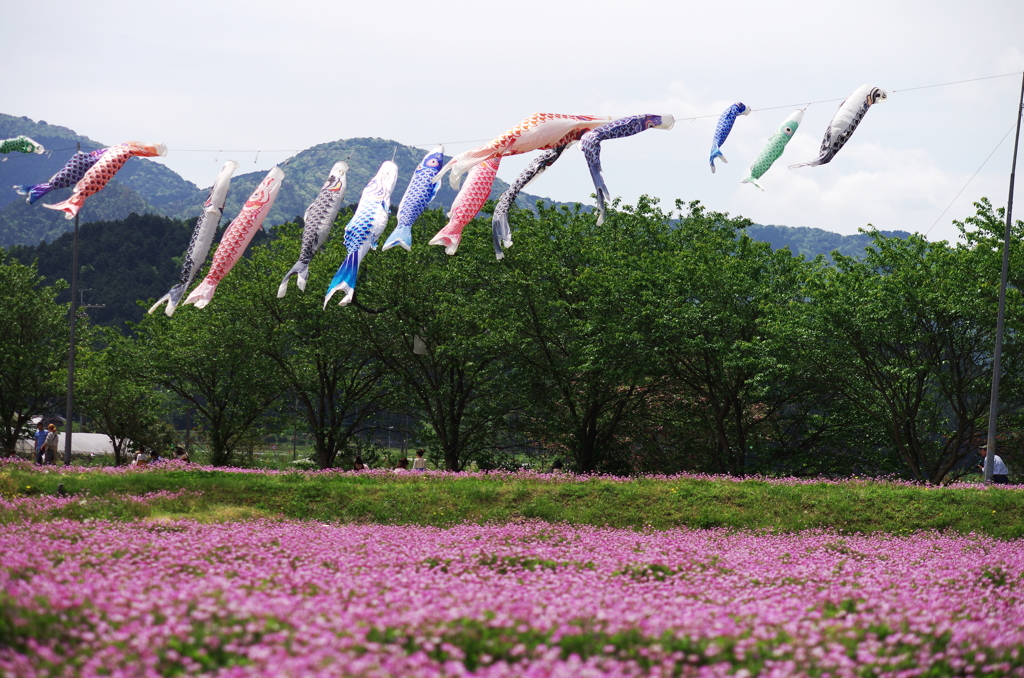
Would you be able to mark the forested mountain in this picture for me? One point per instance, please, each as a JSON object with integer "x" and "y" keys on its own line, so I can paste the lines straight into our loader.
{"x": 122, "y": 261}
{"x": 145, "y": 186}
{"x": 814, "y": 241}
{"x": 24, "y": 224}
{"x": 141, "y": 186}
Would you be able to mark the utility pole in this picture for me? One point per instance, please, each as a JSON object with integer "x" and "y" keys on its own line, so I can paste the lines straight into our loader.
{"x": 993, "y": 410}
{"x": 69, "y": 414}
{"x": 81, "y": 301}
{"x": 188, "y": 428}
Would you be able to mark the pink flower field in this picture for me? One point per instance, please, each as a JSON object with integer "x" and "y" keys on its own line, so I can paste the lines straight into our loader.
{"x": 308, "y": 599}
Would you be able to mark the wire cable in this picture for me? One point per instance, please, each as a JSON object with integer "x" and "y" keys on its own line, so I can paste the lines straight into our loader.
{"x": 803, "y": 104}
{"x": 972, "y": 177}
{"x": 826, "y": 101}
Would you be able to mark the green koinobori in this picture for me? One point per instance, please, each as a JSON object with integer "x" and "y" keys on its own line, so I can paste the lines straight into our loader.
{"x": 774, "y": 148}
{"x": 21, "y": 144}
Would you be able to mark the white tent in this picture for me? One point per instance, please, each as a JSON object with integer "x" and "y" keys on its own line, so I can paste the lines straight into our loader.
{"x": 81, "y": 443}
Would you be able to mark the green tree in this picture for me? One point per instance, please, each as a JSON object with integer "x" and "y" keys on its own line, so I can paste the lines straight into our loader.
{"x": 722, "y": 318}
{"x": 336, "y": 382}
{"x": 562, "y": 314}
{"x": 33, "y": 347}
{"x": 429, "y": 333}
{"x": 109, "y": 392}
{"x": 212, "y": 359}
{"x": 913, "y": 324}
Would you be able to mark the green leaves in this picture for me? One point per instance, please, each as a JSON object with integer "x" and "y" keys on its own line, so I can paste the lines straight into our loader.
{"x": 914, "y": 340}
{"x": 34, "y": 335}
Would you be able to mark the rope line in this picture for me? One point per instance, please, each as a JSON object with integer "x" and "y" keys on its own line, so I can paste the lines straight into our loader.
{"x": 804, "y": 104}
{"x": 49, "y": 152}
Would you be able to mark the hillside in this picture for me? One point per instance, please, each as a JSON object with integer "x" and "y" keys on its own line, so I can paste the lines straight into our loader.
{"x": 305, "y": 174}
{"x": 122, "y": 261}
{"x": 811, "y": 242}
{"x": 144, "y": 186}
{"x": 24, "y": 224}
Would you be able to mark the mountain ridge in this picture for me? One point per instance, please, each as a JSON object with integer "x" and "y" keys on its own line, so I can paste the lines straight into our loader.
{"x": 147, "y": 187}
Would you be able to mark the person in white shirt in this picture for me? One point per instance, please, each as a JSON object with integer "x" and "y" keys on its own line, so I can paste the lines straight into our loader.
{"x": 419, "y": 463}
{"x": 1000, "y": 474}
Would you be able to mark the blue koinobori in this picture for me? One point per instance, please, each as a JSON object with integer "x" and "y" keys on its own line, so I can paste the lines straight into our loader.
{"x": 723, "y": 128}
{"x": 366, "y": 225}
{"x": 418, "y": 195}
{"x": 616, "y": 129}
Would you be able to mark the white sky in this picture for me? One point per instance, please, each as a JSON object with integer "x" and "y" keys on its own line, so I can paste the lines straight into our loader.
{"x": 288, "y": 75}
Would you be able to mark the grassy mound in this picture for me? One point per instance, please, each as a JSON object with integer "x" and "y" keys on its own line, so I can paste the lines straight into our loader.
{"x": 175, "y": 490}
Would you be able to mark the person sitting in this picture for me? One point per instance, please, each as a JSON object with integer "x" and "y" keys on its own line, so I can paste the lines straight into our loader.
{"x": 419, "y": 463}
{"x": 140, "y": 459}
{"x": 403, "y": 466}
{"x": 359, "y": 465}
{"x": 180, "y": 454}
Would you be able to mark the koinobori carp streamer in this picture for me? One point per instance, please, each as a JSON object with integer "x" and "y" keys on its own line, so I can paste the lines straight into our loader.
{"x": 238, "y": 236}
{"x": 317, "y": 220}
{"x": 202, "y": 238}
{"x": 363, "y": 230}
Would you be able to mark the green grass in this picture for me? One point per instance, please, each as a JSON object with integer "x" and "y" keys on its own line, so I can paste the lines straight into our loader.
{"x": 849, "y": 507}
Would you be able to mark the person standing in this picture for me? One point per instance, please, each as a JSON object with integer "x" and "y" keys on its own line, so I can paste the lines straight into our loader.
{"x": 50, "y": 446}
{"x": 40, "y": 441}
{"x": 1000, "y": 474}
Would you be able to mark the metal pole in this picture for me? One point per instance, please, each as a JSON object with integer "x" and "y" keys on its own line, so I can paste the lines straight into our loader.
{"x": 69, "y": 414}
{"x": 188, "y": 427}
{"x": 993, "y": 410}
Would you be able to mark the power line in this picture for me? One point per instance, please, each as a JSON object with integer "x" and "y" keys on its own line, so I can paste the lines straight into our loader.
{"x": 957, "y": 82}
{"x": 972, "y": 177}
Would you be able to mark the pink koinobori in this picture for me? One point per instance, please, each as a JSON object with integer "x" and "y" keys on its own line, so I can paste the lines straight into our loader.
{"x": 237, "y": 236}
{"x": 467, "y": 203}
{"x": 538, "y": 132}
{"x": 100, "y": 174}
{"x": 309, "y": 599}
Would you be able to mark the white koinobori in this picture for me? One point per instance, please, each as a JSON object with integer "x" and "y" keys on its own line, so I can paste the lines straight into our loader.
{"x": 202, "y": 238}
{"x": 844, "y": 122}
